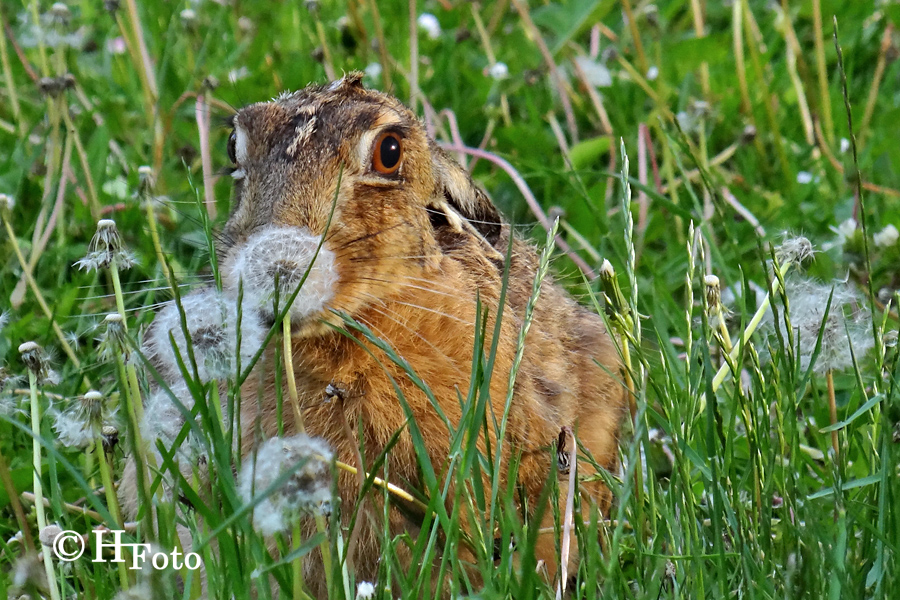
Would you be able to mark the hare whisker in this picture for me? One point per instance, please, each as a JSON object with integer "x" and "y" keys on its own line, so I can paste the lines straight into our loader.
{"x": 387, "y": 282}
{"x": 431, "y": 310}
{"x": 413, "y": 332}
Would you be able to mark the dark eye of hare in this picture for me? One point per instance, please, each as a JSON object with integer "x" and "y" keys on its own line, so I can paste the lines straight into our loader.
{"x": 232, "y": 141}
{"x": 388, "y": 152}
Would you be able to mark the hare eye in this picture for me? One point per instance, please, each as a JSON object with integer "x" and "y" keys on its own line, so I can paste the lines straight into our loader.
{"x": 232, "y": 143}
{"x": 388, "y": 152}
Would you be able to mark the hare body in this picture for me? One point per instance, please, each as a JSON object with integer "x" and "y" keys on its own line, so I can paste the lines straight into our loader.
{"x": 412, "y": 247}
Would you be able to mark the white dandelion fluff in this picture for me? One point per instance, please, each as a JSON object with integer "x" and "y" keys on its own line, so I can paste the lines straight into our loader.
{"x": 499, "y": 71}
{"x": 212, "y": 324}
{"x": 846, "y": 328}
{"x": 886, "y": 237}
{"x": 306, "y": 490}
{"x": 284, "y": 254}
{"x": 430, "y": 25}
{"x": 79, "y": 425}
{"x": 163, "y": 421}
{"x": 365, "y": 590}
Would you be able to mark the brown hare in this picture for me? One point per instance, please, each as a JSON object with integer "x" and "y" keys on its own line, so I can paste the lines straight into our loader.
{"x": 411, "y": 246}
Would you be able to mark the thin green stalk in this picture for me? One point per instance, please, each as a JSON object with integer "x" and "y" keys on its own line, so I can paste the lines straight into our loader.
{"x": 382, "y": 46}
{"x": 832, "y": 413}
{"x": 297, "y": 563}
{"x": 38, "y": 486}
{"x": 767, "y": 101}
{"x": 322, "y": 527}
{"x": 11, "y": 87}
{"x": 42, "y": 48}
{"x": 112, "y": 500}
{"x": 40, "y": 298}
{"x": 635, "y": 36}
{"x": 288, "y": 355}
{"x": 824, "y": 98}
{"x": 85, "y": 165}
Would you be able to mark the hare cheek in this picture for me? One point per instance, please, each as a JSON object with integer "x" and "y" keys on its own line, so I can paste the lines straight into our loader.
{"x": 240, "y": 144}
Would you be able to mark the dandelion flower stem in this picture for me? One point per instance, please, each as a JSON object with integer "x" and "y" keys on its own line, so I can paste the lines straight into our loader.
{"x": 832, "y": 410}
{"x": 322, "y": 527}
{"x": 38, "y": 487}
{"x": 751, "y": 327}
{"x": 289, "y": 370}
{"x": 117, "y": 290}
{"x": 297, "y": 564}
{"x": 111, "y": 500}
{"x": 723, "y": 329}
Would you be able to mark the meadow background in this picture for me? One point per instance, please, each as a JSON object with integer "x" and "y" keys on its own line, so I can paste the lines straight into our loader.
{"x": 734, "y": 118}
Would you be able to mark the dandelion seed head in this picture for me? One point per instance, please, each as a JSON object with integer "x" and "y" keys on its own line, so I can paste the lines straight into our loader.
{"x": 794, "y": 250}
{"x": 498, "y": 71}
{"x": 430, "y": 24}
{"x": 212, "y": 324}
{"x": 35, "y": 359}
{"x": 106, "y": 250}
{"x": 373, "y": 70}
{"x": 284, "y": 254}
{"x": 804, "y": 177}
{"x": 365, "y": 590}
{"x": 307, "y": 489}
{"x": 114, "y": 339}
{"x": 141, "y": 591}
{"x": 82, "y": 423}
{"x": 163, "y": 422}
{"x": 886, "y": 237}
{"x": 845, "y": 332}
{"x": 60, "y": 13}
{"x": 7, "y": 202}
{"x": 28, "y": 573}
{"x": 4, "y": 319}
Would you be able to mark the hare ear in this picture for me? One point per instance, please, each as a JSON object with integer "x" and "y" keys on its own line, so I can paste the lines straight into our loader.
{"x": 456, "y": 192}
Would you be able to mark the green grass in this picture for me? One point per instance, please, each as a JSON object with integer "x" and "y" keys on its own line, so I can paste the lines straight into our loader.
{"x": 738, "y": 135}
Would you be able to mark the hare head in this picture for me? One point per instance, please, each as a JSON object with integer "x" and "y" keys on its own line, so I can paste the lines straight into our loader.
{"x": 357, "y": 167}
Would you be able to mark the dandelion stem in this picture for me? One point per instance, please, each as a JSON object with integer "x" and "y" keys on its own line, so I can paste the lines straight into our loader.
{"x": 111, "y": 500}
{"x": 289, "y": 370}
{"x": 38, "y": 486}
{"x": 832, "y": 412}
{"x": 297, "y": 564}
{"x": 728, "y": 346}
{"x": 322, "y": 527}
{"x": 725, "y": 369}
{"x": 132, "y": 412}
